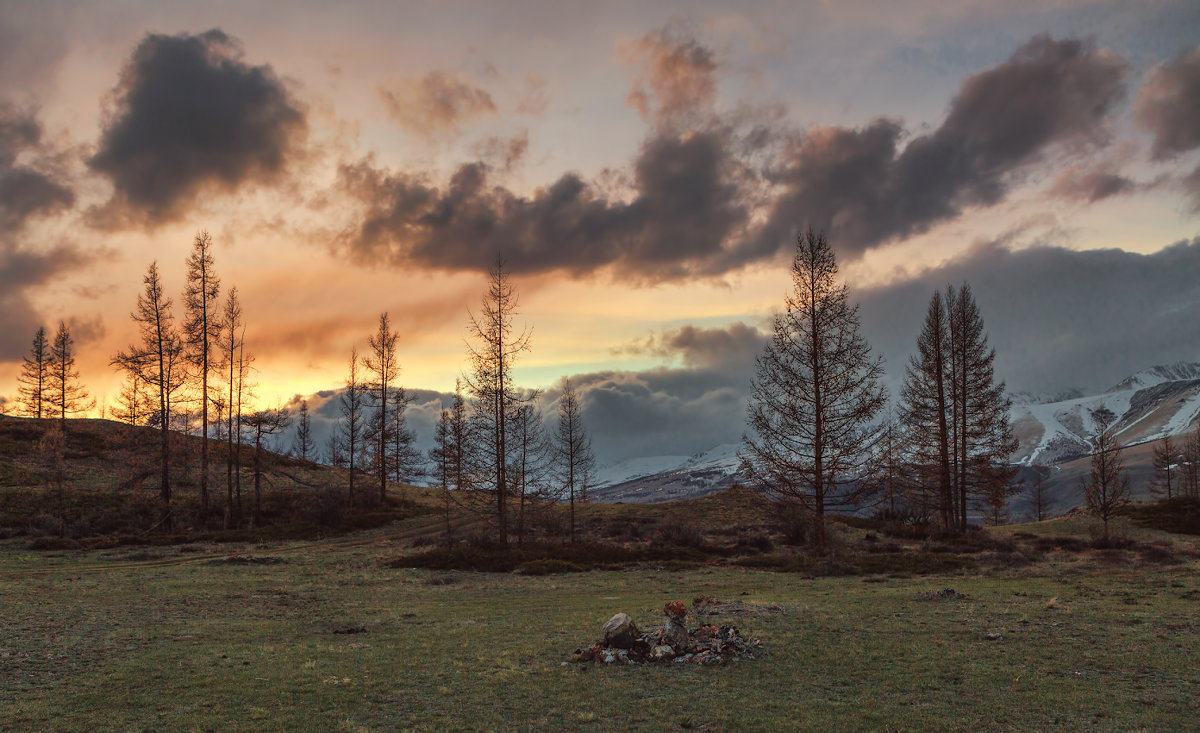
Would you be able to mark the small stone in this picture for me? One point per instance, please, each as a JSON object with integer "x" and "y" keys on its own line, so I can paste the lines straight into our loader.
{"x": 675, "y": 633}
{"x": 662, "y": 653}
{"x": 993, "y": 635}
{"x": 620, "y": 631}
{"x": 675, "y": 611}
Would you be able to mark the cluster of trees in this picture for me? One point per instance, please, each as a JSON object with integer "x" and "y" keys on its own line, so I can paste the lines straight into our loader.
{"x": 819, "y": 432}
{"x": 492, "y": 453}
{"x": 49, "y": 384}
{"x": 1177, "y": 466}
{"x": 199, "y": 370}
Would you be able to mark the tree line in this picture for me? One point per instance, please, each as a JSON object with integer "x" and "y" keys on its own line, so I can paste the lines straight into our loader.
{"x": 822, "y": 437}
{"x": 192, "y": 374}
{"x": 493, "y": 454}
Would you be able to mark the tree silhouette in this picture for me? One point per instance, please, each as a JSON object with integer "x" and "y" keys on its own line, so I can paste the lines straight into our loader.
{"x": 33, "y": 381}
{"x": 1166, "y": 458}
{"x": 573, "y": 446}
{"x": 352, "y": 405}
{"x": 303, "y": 445}
{"x": 263, "y": 424}
{"x": 158, "y": 360}
{"x": 925, "y": 407}
{"x": 532, "y": 461}
{"x": 235, "y": 368}
{"x": 490, "y": 385}
{"x": 1106, "y": 487}
{"x": 981, "y": 435}
{"x": 385, "y": 369}
{"x": 64, "y": 392}
{"x": 202, "y": 333}
{"x": 815, "y": 394}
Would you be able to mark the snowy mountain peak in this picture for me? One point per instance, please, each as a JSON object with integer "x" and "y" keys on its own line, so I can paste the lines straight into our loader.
{"x": 1178, "y": 372}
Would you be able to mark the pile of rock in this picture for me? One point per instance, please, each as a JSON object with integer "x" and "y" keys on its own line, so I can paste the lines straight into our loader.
{"x": 623, "y": 643}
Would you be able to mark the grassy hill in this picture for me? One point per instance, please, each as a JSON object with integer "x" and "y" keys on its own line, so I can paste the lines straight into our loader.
{"x": 110, "y": 487}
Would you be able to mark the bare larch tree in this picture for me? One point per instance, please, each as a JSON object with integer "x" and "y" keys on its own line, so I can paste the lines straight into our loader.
{"x": 925, "y": 407}
{"x": 158, "y": 359}
{"x": 1166, "y": 458}
{"x": 65, "y": 395}
{"x": 815, "y": 394}
{"x": 34, "y": 377}
{"x": 1106, "y": 487}
{"x": 263, "y": 424}
{"x": 202, "y": 333}
{"x": 982, "y": 437}
{"x": 1040, "y": 502}
{"x": 235, "y": 369}
{"x": 384, "y": 369}
{"x": 490, "y": 385}
{"x": 351, "y": 429}
{"x": 532, "y": 461}
{"x": 303, "y": 446}
{"x": 573, "y": 449}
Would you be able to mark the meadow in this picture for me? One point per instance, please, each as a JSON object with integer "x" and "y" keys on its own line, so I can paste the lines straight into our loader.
{"x": 337, "y": 634}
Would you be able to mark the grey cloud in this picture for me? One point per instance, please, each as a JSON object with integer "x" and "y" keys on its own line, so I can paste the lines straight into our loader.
{"x": 1091, "y": 185}
{"x": 676, "y": 80}
{"x": 687, "y": 202}
{"x": 723, "y": 348}
{"x": 29, "y": 189}
{"x": 189, "y": 114}
{"x": 1058, "y": 318}
{"x": 1168, "y": 104}
{"x": 32, "y": 188}
{"x": 23, "y": 268}
{"x": 436, "y": 103}
{"x": 861, "y": 187}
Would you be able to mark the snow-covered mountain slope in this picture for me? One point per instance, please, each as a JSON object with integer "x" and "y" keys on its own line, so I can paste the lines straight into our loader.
{"x": 677, "y": 477}
{"x": 1162, "y": 400}
{"x": 1053, "y": 430}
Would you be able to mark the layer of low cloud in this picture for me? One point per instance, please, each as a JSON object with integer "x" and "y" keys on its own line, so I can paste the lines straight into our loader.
{"x": 190, "y": 115}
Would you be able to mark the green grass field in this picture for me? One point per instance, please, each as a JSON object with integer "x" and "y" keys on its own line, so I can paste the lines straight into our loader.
{"x": 181, "y": 638}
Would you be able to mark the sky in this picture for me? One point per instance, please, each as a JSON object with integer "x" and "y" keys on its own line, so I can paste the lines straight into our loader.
{"x": 643, "y": 168}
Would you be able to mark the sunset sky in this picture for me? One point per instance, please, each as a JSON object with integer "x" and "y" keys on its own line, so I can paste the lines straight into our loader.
{"x": 643, "y": 168}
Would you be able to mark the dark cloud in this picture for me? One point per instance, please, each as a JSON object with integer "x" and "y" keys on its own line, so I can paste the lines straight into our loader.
{"x": 864, "y": 189}
{"x": 23, "y": 268}
{"x": 1091, "y": 185}
{"x": 687, "y": 201}
{"x": 712, "y": 193}
{"x": 1058, "y": 318}
{"x": 189, "y": 115}
{"x": 31, "y": 188}
{"x": 1168, "y": 105}
{"x": 437, "y": 103}
{"x": 722, "y": 348}
{"x": 676, "y": 79}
